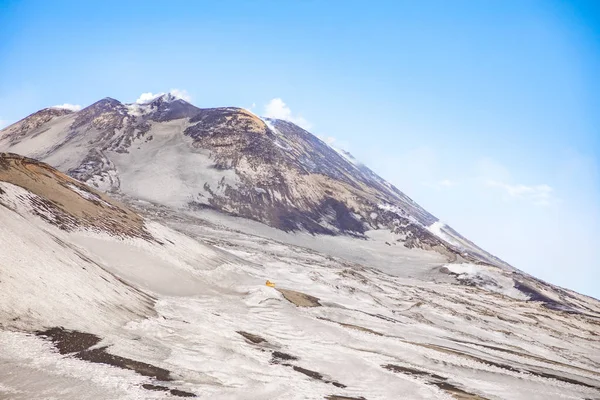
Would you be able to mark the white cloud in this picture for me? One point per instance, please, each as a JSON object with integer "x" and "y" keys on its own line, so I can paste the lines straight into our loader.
{"x": 181, "y": 94}
{"x": 149, "y": 96}
{"x": 3, "y": 123}
{"x": 447, "y": 183}
{"x": 277, "y": 109}
{"x": 67, "y": 106}
{"x": 540, "y": 195}
{"x": 495, "y": 175}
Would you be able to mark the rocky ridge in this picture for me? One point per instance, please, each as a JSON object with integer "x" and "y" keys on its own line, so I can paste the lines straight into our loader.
{"x": 230, "y": 160}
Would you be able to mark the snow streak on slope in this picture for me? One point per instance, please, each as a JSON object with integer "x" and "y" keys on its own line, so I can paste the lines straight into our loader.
{"x": 486, "y": 277}
{"x": 437, "y": 229}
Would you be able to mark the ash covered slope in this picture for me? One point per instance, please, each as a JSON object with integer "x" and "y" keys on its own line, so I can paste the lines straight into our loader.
{"x": 168, "y": 315}
{"x": 46, "y": 281}
{"x": 172, "y": 153}
{"x": 77, "y": 267}
{"x": 74, "y": 257}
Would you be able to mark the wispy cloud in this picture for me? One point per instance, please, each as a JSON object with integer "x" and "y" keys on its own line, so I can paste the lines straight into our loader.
{"x": 441, "y": 184}
{"x": 447, "y": 183}
{"x": 539, "y": 195}
{"x": 3, "y": 123}
{"x": 276, "y": 108}
{"x": 67, "y": 106}
{"x": 149, "y": 96}
{"x": 328, "y": 139}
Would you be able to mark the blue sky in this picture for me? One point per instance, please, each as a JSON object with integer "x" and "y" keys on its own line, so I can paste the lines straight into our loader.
{"x": 485, "y": 112}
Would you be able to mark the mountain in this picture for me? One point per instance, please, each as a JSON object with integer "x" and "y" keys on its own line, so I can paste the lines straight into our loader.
{"x": 139, "y": 271}
{"x": 172, "y": 153}
{"x": 100, "y": 302}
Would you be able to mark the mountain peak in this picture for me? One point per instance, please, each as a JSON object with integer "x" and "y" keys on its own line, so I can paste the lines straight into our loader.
{"x": 167, "y": 107}
{"x": 32, "y": 122}
{"x": 227, "y": 158}
{"x": 111, "y": 100}
{"x": 164, "y": 98}
{"x": 107, "y": 101}
{"x": 160, "y": 98}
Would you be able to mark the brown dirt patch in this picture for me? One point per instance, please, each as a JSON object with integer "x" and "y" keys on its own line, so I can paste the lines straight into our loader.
{"x": 412, "y": 371}
{"x": 315, "y": 375}
{"x": 58, "y": 202}
{"x": 300, "y": 299}
{"x": 457, "y": 393}
{"x": 336, "y": 397}
{"x": 79, "y": 343}
{"x": 252, "y": 337}
{"x": 436, "y": 380}
{"x": 156, "y": 388}
{"x": 174, "y": 392}
{"x": 181, "y": 393}
{"x": 279, "y": 356}
{"x": 101, "y": 356}
{"x": 67, "y": 342}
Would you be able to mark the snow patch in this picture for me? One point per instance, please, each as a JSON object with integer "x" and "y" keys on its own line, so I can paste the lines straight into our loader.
{"x": 346, "y": 156}
{"x": 398, "y": 211}
{"x": 437, "y": 229}
{"x": 137, "y": 110}
{"x": 172, "y": 95}
{"x": 271, "y": 126}
{"x": 489, "y": 278}
{"x": 67, "y": 106}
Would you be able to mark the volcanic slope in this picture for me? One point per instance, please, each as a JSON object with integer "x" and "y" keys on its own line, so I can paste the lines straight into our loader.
{"x": 171, "y": 153}
{"x": 100, "y": 302}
